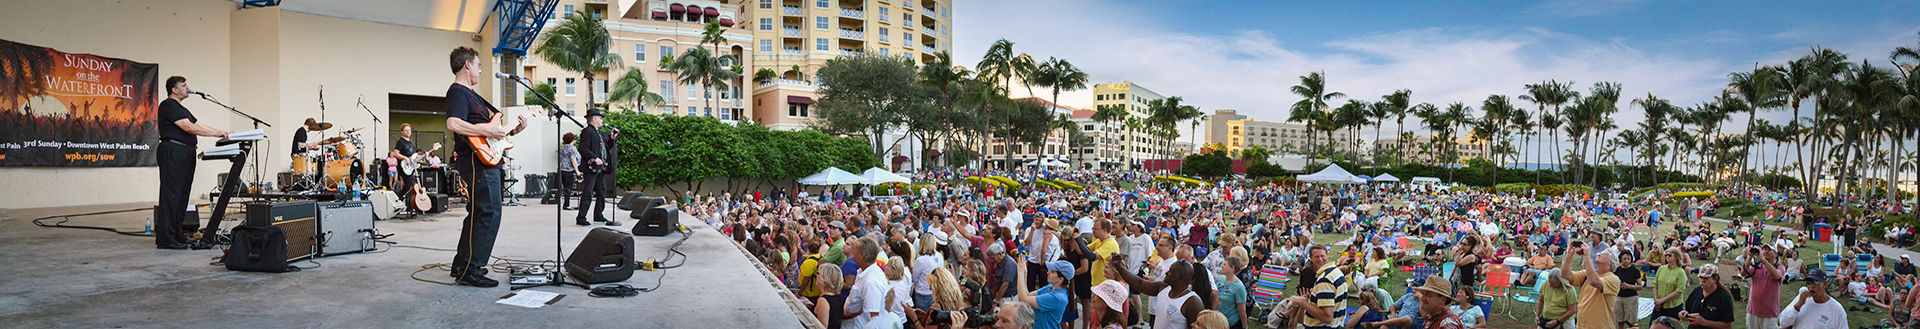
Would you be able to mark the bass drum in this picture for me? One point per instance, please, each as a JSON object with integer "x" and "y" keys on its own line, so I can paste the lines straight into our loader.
{"x": 385, "y": 204}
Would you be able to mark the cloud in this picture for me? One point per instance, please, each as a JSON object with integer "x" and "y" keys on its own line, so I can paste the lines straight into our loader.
{"x": 1582, "y": 8}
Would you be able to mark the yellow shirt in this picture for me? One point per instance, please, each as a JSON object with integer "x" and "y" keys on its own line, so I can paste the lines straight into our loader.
{"x": 1105, "y": 248}
{"x": 1595, "y": 310}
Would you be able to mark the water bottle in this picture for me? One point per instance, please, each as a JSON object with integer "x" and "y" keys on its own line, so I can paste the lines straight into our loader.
{"x": 149, "y": 228}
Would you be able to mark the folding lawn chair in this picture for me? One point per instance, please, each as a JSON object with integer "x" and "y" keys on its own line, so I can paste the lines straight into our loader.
{"x": 1271, "y": 286}
{"x": 1495, "y": 287}
{"x": 1532, "y": 296}
{"x": 1830, "y": 263}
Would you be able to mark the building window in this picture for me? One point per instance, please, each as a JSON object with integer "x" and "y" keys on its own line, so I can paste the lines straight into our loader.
{"x": 820, "y": 44}
{"x": 884, "y": 14}
{"x": 820, "y": 23}
{"x": 602, "y": 92}
{"x": 766, "y": 24}
{"x": 666, "y": 51}
{"x": 693, "y": 111}
{"x": 883, "y": 35}
{"x": 883, "y": 53}
{"x": 725, "y": 115}
{"x": 569, "y": 86}
{"x": 640, "y": 53}
{"x": 766, "y": 45}
{"x": 693, "y": 92}
{"x": 766, "y": 4}
{"x": 666, "y": 91}
{"x": 569, "y": 9}
{"x": 906, "y": 38}
{"x": 797, "y": 110}
{"x": 906, "y": 18}
{"x": 552, "y": 82}
{"x": 821, "y": 3}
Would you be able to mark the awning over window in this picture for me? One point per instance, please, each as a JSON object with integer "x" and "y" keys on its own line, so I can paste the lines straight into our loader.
{"x": 726, "y": 22}
{"x": 712, "y": 12}
{"x": 678, "y": 8}
{"x": 802, "y": 100}
{"x": 660, "y": 15}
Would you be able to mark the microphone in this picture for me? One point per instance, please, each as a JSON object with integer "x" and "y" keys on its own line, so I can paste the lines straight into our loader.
{"x": 504, "y": 75}
{"x": 196, "y": 92}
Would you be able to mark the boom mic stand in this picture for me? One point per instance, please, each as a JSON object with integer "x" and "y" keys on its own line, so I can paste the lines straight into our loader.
{"x": 210, "y": 232}
{"x": 558, "y": 276}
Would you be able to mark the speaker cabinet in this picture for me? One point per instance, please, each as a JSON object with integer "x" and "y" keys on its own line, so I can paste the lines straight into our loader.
{"x": 346, "y": 227}
{"x": 298, "y": 218}
{"x": 606, "y": 255}
{"x": 641, "y": 204}
{"x": 626, "y": 201}
{"x": 657, "y": 221}
{"x": 439, "y": 204}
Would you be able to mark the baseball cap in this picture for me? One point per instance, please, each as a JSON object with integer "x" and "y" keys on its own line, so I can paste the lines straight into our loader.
{"x": 1816, "y": 275}
{"x": 1065, "y": 268}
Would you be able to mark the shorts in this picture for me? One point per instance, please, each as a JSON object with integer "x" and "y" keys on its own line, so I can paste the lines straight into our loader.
{"x": 1624, "y": 309}
{"x": 1755, "y": 322}
{"x": 1542, "y": 324}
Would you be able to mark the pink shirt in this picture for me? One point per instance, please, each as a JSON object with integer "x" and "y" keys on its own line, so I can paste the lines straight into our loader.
{"x": 1764, "y": 298}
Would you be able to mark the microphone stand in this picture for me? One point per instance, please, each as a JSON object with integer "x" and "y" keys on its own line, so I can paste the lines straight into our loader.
{"x": 210, "y": 231}
{"x": 376, "y": 141}
{"x": 558, "y": 276}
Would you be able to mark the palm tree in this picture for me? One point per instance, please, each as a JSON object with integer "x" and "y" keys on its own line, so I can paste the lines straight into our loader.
{"x": 1500, "y": 114}
{"x": 580, "y": 45}
{"x": 1761, "y": 89}
{"x": 1398, "y": 104}
{"x": 944, "y": 78}
{"x": 1656, "y": 111}
{"x": 697, "y": 65}
{"x": 1001, "y": 66}
{"x": 632, "y": 86}
{"x": 1550, "y": 92}
{"x": 1059, "y": 75}
{"x": 1456, "y": 116}
{"x": 1434, "y": 120}
{"x": 1814, "y": 76}
{"x": 542, "y": 89}
{"x": 1313, "y": 90}
{"x": 1351, "y": 116}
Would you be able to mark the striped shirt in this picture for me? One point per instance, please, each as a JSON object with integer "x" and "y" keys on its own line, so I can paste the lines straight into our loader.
{"x": 1330, "y": 291}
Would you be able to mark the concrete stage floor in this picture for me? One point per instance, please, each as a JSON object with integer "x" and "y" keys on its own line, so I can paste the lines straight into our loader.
{"x": 74, "y": 278}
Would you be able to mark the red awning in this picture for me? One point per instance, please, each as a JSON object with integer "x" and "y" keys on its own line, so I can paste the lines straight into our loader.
{"x": 726, "y": 22}
{"x": 803, "y": 100}
{"x": 900, "y": 158}
{"x": 660, "y": 15}
{"x": 678, "y": 8}
{"x": 712, "y": 12}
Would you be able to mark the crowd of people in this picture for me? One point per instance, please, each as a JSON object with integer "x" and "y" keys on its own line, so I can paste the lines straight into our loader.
{"x": 1129, "y": 252}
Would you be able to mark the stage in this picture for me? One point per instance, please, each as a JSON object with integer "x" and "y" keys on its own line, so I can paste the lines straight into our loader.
{"x": 55, "y": 277}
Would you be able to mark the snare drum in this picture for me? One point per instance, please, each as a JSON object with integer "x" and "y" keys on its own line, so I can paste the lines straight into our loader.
{"x": 345, "y": 150}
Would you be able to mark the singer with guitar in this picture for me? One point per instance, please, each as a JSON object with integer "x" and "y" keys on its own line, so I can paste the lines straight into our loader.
{"x": 593, "y": 164}
{"x": 477, "y": 122}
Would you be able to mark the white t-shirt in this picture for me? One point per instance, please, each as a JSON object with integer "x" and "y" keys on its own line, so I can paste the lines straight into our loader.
{"x": 869, "y": 295}
{"x": 923, "y": 266}
{"x": 1139, "y": 247}
{"x": 1811, "y": 315}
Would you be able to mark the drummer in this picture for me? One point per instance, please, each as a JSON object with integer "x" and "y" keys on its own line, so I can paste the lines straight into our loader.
{"x": 300, "y": 144}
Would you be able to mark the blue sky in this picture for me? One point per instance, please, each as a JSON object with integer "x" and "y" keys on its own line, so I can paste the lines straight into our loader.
{"x": 1244, "y": 54}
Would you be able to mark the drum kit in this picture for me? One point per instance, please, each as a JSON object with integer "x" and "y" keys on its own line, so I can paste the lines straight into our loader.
{"x": 334, "y": 165}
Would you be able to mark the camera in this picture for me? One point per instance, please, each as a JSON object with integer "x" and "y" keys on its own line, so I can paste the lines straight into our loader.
{"x": 939, "y": 317}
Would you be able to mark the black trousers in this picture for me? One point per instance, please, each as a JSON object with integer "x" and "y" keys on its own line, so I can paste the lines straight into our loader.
{"x": 565, "y": 181}
{"x": 593, "y": 190}
{"x": 176, "y": 178}
{"x": 482, "y": 225}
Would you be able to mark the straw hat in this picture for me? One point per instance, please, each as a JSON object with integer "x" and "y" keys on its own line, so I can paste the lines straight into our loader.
{"x": 1437, "y": 285}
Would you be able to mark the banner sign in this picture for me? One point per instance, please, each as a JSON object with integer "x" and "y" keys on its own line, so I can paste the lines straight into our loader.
{"x": 61, "y": 109}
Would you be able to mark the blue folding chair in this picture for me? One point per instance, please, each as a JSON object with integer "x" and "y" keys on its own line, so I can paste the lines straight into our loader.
{"x": 1533, "y": 293}
{"x": 1830, "y": 263}
{"x": 1446, "y": 270}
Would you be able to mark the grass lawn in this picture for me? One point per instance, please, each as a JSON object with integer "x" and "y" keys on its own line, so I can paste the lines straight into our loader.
{"x": 1523, "y": 313}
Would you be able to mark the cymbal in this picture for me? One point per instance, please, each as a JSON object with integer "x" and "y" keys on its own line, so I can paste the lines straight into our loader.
{"x": 333, "y": 140}
{"x": 351, "y": 131}
{"x": 320, "y": 126}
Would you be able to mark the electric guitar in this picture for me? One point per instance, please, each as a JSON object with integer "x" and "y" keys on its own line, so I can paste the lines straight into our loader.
{"x": 412, "y": 162}
{"x": 490, "y": 151}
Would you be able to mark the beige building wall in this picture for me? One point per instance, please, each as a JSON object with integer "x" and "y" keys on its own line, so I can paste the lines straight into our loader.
{"x": 1137, "y": 144}
{"x": 265, "y": 61}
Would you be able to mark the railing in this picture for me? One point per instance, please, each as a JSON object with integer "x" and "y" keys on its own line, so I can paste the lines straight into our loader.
{"x": 738, "y": 103}
{"x": 790, "y": 10}
{"x": 845, "y": 52}
{"x": 790, "y": 50}
{"x": 778, "y": 57}
{"x": 855, "y": 13}
{"x": 853, "y": 34}
{"x": 791, "y": 31}
{"x": 786, "y": 82}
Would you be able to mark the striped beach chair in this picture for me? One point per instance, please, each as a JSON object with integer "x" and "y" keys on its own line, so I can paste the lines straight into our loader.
{"x": 1830, "y": 263}
{"x": 1270, "y": 288}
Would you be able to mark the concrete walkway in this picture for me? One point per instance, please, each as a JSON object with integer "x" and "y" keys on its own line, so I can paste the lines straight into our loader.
{"x": 72, "y": 278}
{"x": 1887, "y": 251}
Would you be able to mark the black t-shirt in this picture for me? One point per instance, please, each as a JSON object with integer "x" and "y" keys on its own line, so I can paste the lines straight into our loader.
{"x": 299, "y": 137}
{"x": 1629, "y": 275}
{"x": 1903, "y": 268}
{"x": 463, "y": 103}
{"x": 171, "y": 111}
{"x": 405, "y": 146}
{"x": 1717, "y": 307}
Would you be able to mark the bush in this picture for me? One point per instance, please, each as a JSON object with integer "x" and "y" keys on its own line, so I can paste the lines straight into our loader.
{"x": 1189, "y": 182}
{"x": 1278, "y": 181}
{"x": 1512, "y": 188}
{"x": 1265, "y": 170}
{"x": 1008, "y": 183}
{"x": 1067, "y": 185}
{"x": 1777, "y": 181}
{"x": 1692, "y": 195}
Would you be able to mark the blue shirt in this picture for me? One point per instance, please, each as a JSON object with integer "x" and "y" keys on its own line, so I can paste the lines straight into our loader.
{"x": 1053, "y": 305}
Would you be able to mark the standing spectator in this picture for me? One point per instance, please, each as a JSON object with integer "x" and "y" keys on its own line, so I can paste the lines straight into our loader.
{"x": 831, "y": 304}
{"x": 1764, "y": 274}
{"x": 1708, "y": 306}
{"x": 1233, "y": 292}
{"x": 1670, "y": 283}
{"x": 1595, "y": 310}
{"x": 1629, "y": 297}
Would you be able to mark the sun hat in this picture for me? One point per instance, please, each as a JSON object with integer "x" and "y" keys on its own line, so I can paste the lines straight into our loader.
{"x": 1709, "y": 270}
{"x": 1113, "y": 292}
{"x": 940, "y": 237}
{"x": 1436, "y": 285}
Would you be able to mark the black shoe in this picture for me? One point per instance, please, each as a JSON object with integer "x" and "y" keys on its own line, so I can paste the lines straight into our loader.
{"x": 176, "y": 246}
{"x": 602, "y": 220}
{"x": 200, "y": 246}
{"x": 581, "y": 222}
{"x": 613, "y": 223}
{"x": 477, "y": 281}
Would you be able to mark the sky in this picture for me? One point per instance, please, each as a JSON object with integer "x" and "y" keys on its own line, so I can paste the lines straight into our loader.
{"x": 1243, "y": 55}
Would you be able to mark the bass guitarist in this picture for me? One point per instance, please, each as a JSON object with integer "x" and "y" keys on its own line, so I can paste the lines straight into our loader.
{"x": 403, "y": 152}
{"x": 469, "y": 115}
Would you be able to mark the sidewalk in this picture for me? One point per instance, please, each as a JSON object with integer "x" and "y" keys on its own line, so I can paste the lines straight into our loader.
{"x": 1887, "y": 251}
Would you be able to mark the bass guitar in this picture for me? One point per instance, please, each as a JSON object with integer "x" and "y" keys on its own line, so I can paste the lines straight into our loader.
{"x": 412, "y": 162}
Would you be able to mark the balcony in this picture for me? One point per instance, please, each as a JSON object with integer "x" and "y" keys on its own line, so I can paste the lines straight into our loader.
{"x": 853, "y": 34}
{"x": 848, "y": 52}
{"x": 790, "y": 50}
{"x": 790, "y": 30}
{"x": 790, "y": 10}
{"x": 855, "y": 13}
{"x": 739, "y": 103}
{"x": 785, "y": 82}
{"x": 778, "y": 57}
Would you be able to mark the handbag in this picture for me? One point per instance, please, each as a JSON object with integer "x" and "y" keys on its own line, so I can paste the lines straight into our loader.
{"x": 257, "y": 249}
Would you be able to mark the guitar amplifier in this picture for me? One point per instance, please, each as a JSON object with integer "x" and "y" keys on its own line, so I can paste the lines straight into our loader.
{"x": 429, "y": 178}
{"x": 346, "y": 227}
{"x": 299, "y": 219}
{"x": 439, "y": 204}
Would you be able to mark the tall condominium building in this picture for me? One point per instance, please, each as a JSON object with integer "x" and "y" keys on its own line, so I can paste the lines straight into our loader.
{"x": 1138, "y": 145}
{"x": 1238, "y": 132}
{"x": 1421, "y": 149}
{"x": 646, "y": 35}
{"x": 794, "y": 38}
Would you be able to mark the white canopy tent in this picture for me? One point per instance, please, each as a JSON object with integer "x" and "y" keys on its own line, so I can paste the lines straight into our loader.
{"x": 833, "y": 176}
{"x": 875, "y": 176}
{"x": 1386, "y": 178}
{"x": 1332, "y": 175}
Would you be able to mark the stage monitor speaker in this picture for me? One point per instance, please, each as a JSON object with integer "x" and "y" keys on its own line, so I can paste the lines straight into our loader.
{"x": 299, "y": 219}
{"x": 627, "y": 201}
{"x": 657, "y": 221}
{"x": 641, "y": 204}
{"x": 439, "y": 204}
{"x": 605, "y": 255}
{"x": 346, "y": 227}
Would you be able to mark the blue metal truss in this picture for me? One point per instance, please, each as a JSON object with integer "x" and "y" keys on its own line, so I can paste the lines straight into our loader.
{"x": 258, "y": 3}
{"x": 520, "y": 24}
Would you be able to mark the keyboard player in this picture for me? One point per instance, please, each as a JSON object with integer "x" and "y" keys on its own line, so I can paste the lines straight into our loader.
{"x": 176, "y": 157}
